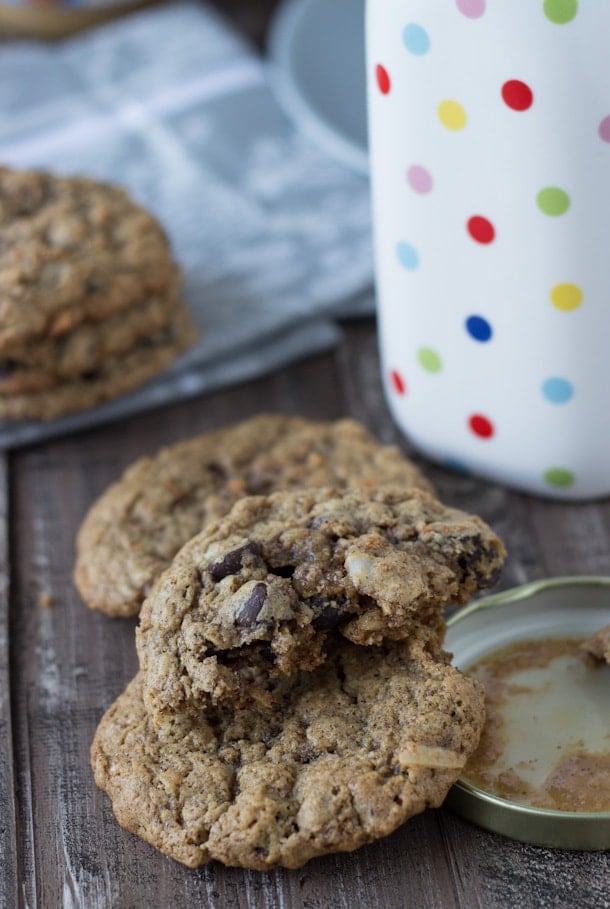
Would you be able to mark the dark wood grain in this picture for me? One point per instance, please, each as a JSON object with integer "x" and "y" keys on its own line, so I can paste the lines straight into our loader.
{"x": 8, "y": 829}
{"x": 63, "y": 665}
{"x": 68, "y": 664}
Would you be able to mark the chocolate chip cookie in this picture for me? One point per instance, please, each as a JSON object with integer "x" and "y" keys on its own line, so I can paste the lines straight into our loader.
{"x": 349, "y": 752}
{"x": 267, "y": 589}
{"x": 72, "y": 250}
{"x": 133, "y": 531}
{"x": 116, "y": 376}
{"x": 44, "y": 363}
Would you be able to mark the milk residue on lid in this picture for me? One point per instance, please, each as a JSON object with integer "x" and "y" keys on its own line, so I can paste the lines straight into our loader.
{"x": 546, "y": 742}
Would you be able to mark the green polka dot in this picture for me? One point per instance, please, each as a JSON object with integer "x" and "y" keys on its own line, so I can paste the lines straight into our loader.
{"x": 553, "y": 201}
{"x": 559, "y": 477}
{"x": 429, "y": 359}
{"x": 560, "y": 11}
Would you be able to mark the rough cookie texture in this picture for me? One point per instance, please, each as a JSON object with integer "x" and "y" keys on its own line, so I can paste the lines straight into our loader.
{"x": 115, "y": 377}
{"x": 349, "y": 753}
{"x": 45, "y": 363}
{"x": 72, "y": 250}
{"x": 261, "y": 591}
{"x": 598, "y": 646}
{"x": 133, "y": 531}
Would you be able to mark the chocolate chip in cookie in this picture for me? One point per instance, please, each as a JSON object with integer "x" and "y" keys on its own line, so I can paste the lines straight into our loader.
{"x": 295, "y": 570}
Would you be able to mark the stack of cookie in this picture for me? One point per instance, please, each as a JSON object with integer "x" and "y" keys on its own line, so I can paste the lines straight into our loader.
{"x": 293, "y": 697}
{"x": 90, "y": 303}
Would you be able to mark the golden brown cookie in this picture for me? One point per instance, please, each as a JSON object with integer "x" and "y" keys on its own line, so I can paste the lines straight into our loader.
{"x": 268, "y": 589}
{"x": 72, "y": 250}
{"x": 133, "y": 531}
{"x": 44, "y": 363}
{"x": 111, "y": 379}
{"x": 349, "y": 752}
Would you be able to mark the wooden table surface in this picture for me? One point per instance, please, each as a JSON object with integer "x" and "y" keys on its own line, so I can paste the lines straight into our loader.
{"x": 61, "y": 666}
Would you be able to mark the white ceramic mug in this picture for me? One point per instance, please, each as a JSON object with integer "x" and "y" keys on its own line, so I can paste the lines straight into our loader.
{"x": 489, "y": 130}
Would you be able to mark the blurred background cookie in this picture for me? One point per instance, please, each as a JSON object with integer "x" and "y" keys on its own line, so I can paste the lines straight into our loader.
{"x": 133, "y": 531}
{"x": 89, "y": 295}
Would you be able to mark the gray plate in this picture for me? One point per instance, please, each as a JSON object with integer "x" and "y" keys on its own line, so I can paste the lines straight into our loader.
{"x": 317, "y": 66}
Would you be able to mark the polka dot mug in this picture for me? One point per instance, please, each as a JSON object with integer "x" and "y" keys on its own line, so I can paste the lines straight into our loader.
{"x": 489, "y": 130}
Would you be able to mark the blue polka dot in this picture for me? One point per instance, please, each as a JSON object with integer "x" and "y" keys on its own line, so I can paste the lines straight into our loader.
{"x": 478, "y": 328}
{"x": 407, "y": 256}
{"x": 416, "y": 39}
{"x": 557, "y": 391}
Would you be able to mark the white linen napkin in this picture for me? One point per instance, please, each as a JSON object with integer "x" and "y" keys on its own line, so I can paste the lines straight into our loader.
{"x": 273, "y": 236}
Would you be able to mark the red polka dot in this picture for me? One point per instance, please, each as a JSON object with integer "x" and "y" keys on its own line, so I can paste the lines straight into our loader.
{"x": 517, "y": 95}
{"x": 481, "y": 426}
{"x": 383, "y": 79}
{"x": 481, "y": 229}
{"x": 398, "y": 382}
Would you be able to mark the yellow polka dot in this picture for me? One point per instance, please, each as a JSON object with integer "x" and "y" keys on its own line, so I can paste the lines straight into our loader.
{"x": 452, "y": 115}
{"x": 566, "y": 297}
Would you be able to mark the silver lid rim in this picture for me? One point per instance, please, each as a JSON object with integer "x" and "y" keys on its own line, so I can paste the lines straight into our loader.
{"x": 572, "y": 830}
{"x": 525, "y": 591}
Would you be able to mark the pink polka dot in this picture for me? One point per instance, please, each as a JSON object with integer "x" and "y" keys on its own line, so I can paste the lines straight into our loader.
{"x": 473, "y": 9}
{"x": 604, "y": 129}
{"x": 419, "y": 179}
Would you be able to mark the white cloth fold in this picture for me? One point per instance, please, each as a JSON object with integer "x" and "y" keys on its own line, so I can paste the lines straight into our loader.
{"x": 272, "y": 235}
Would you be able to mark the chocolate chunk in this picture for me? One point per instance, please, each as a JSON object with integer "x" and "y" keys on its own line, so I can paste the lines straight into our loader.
{"x": 91, "y": 375}
{"x": 94, "y": 284}
{"x": 250, "y": 610}
{"x": 474, "y": 563}
{"x": 329, "y": 616}
{"x": 263, "y": 648}
{"x": 236, "y": 655}
{"x": 217, "y": 471}
{"x": 232, "y": 562}
{"x": 283, "y": 571}
{"x": 7, "y": 368}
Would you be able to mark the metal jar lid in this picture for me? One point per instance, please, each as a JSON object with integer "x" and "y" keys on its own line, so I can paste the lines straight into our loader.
{"x": 555, "y": 608}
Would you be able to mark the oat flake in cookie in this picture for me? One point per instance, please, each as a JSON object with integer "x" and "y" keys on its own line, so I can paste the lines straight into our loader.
{"x": 133, "y": 531}
{"x": 269, "y": 588}
{"x": 350, "y": 752}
